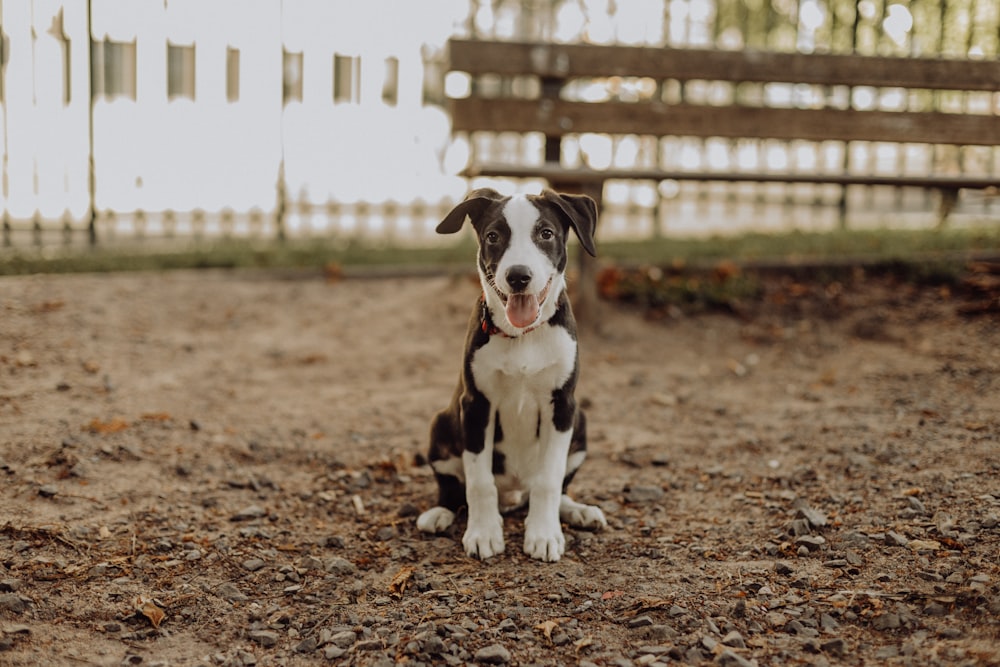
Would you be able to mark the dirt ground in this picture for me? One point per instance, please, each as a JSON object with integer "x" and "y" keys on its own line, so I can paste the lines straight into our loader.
{"x": 224, "y": 468}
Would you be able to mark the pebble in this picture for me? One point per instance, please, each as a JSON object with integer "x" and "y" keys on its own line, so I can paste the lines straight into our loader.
{"x": 810, "y": 542}
{"x": 249, "y": 512}
{"x": 640, "y": 621}
{"x": 338, "y": 565}
{"x": 48, "y": 491}
{"x": 333, "y": 652}
{"x": 894, "y": 539}
{"x": 836, "y": 646}
{"x": 311, "y": 563}
{"x": 307, "y": 645}
{"x": 494, "y": 654}
{"x": 887, "y": 622}
{"x": 10, "y": 585}
{"x": 732, "y": 659}
{"x": 229, "y": 591}
{"x": 12, "y": 602}
{"x": 734, "y": 639}
{"x": 253, "y": 564}
{"x": 644, "y": 494}
{"x": 344, "y": 639}
{"x": 816, "y": 518}
{"x": 266, "y": 638}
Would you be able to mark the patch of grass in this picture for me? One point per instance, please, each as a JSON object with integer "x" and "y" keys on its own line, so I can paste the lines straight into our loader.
{"x": 228, "y": 254}
{"x": 840, "y": 246}
{"x": 923, "y": 252}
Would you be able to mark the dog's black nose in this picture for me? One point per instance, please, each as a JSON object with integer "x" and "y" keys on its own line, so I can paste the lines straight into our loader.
{"x": 518, "y": 277}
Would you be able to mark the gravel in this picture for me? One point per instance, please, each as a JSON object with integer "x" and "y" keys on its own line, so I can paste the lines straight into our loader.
{"x": 760, "y": 519}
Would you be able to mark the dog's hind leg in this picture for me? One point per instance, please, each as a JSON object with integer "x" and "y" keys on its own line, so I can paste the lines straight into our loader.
{"x": 449, "y": 475}
{"x": 436, "y": 520}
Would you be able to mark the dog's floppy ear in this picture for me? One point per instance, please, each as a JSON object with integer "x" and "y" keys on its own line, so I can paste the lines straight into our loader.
{"x": 581, "y": 213}
{"x": 473, "y": 207}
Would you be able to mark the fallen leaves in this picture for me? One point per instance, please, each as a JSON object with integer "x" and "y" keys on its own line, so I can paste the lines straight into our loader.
{"x": 400, "y": 582}
{"x": 148, "y": 608}
{"x": 99, "y": 427}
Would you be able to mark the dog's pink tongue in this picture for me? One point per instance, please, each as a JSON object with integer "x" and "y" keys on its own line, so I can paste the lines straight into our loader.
{"x": 522, "y": 310}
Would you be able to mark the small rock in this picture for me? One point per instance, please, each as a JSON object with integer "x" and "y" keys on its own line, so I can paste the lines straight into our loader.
{"x": 734, "y": 639}
{"x": 307, "y": 645}
{"x": 887, "y": 622}
{"x": 266, "y": 638}
{"x": 507, "y": 625}
{"x": 494, "y": 654}
{"x": 338, "y": 565}
{"x": 48, "y": 491}
{"x": 10, "y": 585}
{"x": 729, "y": 658}
{"x": 894, "y": 539}
{"x": 344, "y": 639}
{"x": 12, "y": 602}
{"x": 836, "y": 646}
{"x": 311, "y": 563}
{"x": 658, "y": 632}
{"x": 250, "y": 512}
{"x": 229, "y": 591}
{"x": 253, "y": 564}
{"x": 783, "y": 568}
{"x": 810, "y": 542}
{"x": 916, "y": 504}
{"x": 333, "y": 652}
{"x": 644, "y": 494}
{"x": 385, "y": 533}
{"x": 408, "y": 510}
{"x": 816, "y": 518}
{"x": 640, "y": 622}
{"x": 776, "y": 619}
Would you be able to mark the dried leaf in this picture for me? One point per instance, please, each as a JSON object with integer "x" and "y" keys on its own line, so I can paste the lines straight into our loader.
{"x": 148, "y": 608}
{"x": 924, "y": 545}
{"x": 547, "y": 627}
{"x": 583, "y": 642}
{"x": 97, "y": 426}
{"x": 607, "y": 595}
{"x": 399, "y": 582}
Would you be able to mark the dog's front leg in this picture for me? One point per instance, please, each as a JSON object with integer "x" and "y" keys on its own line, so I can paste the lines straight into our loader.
{"x": 484, "y": 533}
{"x": 543, "y": 536}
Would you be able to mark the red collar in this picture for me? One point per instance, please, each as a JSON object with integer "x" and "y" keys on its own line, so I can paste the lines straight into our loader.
{"x": 491, "y": 329}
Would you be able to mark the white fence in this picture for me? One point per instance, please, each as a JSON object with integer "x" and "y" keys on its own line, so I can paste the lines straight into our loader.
{"x": 264, "y": 118}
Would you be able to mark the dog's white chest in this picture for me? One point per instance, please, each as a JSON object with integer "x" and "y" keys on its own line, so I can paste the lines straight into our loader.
{"x": 512, "y": 369}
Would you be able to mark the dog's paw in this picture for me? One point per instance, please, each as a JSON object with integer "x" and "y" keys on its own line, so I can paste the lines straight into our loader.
{"x": 484, "y": 539}
{"x": 436, "y": 520}
{"x": 548, "y": 547}
{"x": 586, "y": 517}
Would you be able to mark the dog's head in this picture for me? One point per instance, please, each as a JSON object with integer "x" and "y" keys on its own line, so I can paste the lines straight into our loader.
{"x": 522, "y": 248}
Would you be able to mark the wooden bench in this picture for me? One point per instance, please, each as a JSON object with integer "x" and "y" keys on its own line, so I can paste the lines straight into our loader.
{"x": 519, "y": 87}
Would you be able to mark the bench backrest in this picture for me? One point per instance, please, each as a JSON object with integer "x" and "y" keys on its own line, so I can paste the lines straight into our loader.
{"x": 531, "y": 82}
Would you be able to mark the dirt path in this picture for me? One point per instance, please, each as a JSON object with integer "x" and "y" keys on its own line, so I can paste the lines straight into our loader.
{"x": 817, "y": 484}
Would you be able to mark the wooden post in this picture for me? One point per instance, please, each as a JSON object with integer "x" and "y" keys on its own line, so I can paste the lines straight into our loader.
{"x": 586, "y": 302}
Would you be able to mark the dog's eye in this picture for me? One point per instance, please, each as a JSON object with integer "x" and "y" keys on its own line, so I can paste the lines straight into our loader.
{"x": 546, "y": 234}
{"x": 492, "y": 237}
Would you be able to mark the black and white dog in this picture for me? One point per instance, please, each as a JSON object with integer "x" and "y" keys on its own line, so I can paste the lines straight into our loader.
{"x": 513, "y": 432}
